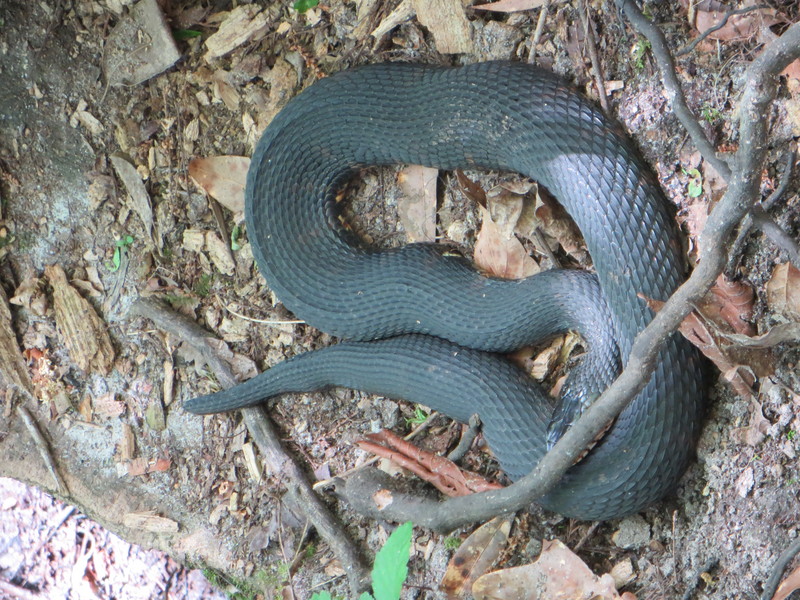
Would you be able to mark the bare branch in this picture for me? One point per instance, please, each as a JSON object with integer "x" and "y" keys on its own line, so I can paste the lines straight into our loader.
{"x": 267, "y": 438}
{"x": 666, "y": 65}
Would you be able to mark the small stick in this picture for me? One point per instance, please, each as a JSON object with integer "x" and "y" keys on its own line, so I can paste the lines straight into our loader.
{"x": 739, "y": 11}
{"x": 44, "y": 449}
{"x": 777, "y": 571}
{"x": 538, "y": 33}
{"x": 595, "y": 58}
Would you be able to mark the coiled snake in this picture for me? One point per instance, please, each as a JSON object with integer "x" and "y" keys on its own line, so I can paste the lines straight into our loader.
{"x": 433, "y": 317}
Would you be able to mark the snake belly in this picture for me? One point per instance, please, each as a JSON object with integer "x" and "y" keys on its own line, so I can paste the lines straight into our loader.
{"x": 422, "y": 324}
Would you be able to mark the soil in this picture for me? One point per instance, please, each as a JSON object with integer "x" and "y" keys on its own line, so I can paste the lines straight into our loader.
{"x": 717, "y": 536}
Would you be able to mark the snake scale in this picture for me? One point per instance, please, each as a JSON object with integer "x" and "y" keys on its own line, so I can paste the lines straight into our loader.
{"x": 423, "y": 325}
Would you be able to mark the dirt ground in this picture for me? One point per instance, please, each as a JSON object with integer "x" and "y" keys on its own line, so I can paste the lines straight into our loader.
{"x": 135, "y": 463}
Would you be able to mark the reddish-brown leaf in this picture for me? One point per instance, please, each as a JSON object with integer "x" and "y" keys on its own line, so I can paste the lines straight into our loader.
{"x": 475, "y": 556}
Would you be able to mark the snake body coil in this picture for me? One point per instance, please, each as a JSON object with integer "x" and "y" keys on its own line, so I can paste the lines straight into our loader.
{"x": 411, "y": 300}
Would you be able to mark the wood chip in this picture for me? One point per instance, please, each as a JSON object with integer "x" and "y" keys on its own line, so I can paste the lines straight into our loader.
{"x": 242, "y": 24}
{"x": 83, "y": 331}
{"x": 140, "y": 46}
{"x": 448, "y": 24}
{"x": 417, "y": 207}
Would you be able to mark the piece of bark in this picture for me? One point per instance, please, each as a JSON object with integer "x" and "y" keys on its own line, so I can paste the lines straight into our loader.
{"x": 84, "y": 332}
{"x": 13, "y": 371}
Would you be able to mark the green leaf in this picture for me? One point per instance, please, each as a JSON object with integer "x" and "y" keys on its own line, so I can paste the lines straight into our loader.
{"x": 116, "y": 260}
{"x": 236, "y": 232}
{"x": 302, "y": 6}
{"x": 391, "y": 564}
{"x": 185, "y": 34}
{"x": 365, "y": 596}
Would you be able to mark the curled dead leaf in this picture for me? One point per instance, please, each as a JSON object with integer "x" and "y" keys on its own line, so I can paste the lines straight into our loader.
{"x": 475, "y": 556}
{"x": 497, "y": 249}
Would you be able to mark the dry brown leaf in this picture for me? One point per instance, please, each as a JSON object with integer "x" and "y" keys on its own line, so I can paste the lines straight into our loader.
{"x": 738, "y": 27}
{"x": 507, "y": 6}
{"x": 788, "y": 585}
{"x": 555, "y": 223}
{"x": 223, "y": 178}
{"x": 497, "y": 249}
{"x": 475, "y": 556}
{"x": 697, "y": 332}
{"x": 558, "y": 574}
{"x": 783, "y": 291}
{"x": 500, "y": 255}
{"x": 728, "y": 306}
{"x": 417, "y": 207}
{"x": 30, "y": 294}
{"x": 137, "y": 192}
{"x": 756, "y": 430}
{"x": 793, "y": 70}
{"x": 84, "y": 332}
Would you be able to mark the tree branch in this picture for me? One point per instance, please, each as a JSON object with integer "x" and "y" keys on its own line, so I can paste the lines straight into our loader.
{"x": 267, "y": 438}
{"x": 742, "y": 193}
{"x": 677, "y": 101}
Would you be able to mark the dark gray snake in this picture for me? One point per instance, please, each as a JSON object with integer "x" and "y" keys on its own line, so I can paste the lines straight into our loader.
{"x": 432, "y": 317}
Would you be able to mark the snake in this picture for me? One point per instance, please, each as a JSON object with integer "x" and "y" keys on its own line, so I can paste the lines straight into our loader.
{"x": 421, "y": 323}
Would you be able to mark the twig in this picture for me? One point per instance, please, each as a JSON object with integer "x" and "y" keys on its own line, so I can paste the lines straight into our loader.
{"x": 777, "y": 571}
{"x": 778, "y": 236}
{"x": 677, "y": 101}
{"x": 466, "y": 440}
{"x": 588, "y": 31}
{"x": 739, "y": 11}
{"x": 263, "y": 321}
{"x": 783, "y": 185}
{"x": 589, "y": 533}
{"x": 44, "y": 449}
{"x": 760, "y": 88}
{"x": 538, "y": 33}
{"x": 786, "y": 244}
{"x": 298, "y": 488}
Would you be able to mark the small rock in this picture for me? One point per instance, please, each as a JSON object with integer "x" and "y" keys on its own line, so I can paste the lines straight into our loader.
{"x": 633, "y": 532}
